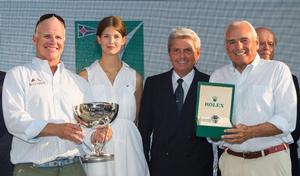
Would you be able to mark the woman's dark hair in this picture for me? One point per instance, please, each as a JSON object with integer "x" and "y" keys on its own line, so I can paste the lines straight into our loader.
{"x": 112, "y": 21}
{"x": 47, "y": 16}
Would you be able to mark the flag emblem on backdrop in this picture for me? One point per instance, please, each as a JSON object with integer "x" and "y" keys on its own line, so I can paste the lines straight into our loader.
{"x": 84, "y": 30}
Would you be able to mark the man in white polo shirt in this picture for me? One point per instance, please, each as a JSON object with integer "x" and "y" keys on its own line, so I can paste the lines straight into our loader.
{"x": 37, "y": 106}
{"x": 264, "y": 112}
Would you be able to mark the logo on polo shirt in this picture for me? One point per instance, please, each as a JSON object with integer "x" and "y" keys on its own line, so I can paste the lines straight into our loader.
{"x": 36, "y": 81}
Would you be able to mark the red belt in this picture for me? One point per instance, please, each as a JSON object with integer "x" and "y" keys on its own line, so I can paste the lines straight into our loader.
{"x": 265, "y": 152}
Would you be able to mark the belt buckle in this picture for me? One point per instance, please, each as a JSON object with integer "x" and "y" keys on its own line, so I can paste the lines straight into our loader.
{"x": 60, "y": 162}
{"x": 244, "y": 155}
{"x": 65, "y": 161}
{"x": 252, "y": 155}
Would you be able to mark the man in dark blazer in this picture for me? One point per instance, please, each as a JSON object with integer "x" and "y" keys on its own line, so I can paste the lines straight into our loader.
{"x": 167, "y": 127}
{"x": 267, "y": 46}
{"x": 295, "y": 134}
{"x": 6, "y": 168}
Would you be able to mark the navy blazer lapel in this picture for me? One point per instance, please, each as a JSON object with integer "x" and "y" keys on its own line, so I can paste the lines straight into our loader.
{"x": 191, "y": 94}
{"x": 172, "y": 119}
{"x": 168, "y": 89}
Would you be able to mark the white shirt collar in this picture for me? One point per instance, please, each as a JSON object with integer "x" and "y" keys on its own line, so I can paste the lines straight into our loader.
{"x": 187, "y": 81}
{"x": 250, "y": 66}
{"x": 44, "y": 66}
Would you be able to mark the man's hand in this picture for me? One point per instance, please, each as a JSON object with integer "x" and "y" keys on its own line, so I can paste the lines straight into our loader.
{"x": 241, "y": 133}
{"x": 237, "y": 135}
{"x": 68, "y": 131}
{"x": 101, "y": 135}
{"x": 81, "y": 121}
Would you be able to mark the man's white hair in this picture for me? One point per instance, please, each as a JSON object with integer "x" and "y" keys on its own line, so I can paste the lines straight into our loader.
{"x": 184, "y": 33}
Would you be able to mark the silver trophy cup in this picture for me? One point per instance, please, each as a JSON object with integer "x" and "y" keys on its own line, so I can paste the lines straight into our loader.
{"x": 95, "y": 115}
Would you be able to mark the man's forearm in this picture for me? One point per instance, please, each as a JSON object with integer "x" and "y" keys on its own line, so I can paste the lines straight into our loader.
{"x": 264, "y": 130}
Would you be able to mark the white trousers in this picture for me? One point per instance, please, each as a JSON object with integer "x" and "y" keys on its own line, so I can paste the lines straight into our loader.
{"x": 275, "y": 164}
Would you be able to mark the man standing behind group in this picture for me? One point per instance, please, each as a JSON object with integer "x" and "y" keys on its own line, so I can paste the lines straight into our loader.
{"x": 264, "y": 108}
{"x": 37, "y": 107}
{"x": 168, "y": 113}
{"x": 267, "y": 45}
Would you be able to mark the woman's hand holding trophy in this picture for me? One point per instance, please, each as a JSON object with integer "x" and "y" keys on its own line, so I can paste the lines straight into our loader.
{"x": 102, "y": 135}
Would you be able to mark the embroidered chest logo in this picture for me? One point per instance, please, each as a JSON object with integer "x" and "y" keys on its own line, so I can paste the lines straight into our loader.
{"x": 36, "y": 81}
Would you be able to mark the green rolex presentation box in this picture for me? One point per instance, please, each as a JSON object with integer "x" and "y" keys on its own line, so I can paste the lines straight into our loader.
{"x": 213, "y": 109}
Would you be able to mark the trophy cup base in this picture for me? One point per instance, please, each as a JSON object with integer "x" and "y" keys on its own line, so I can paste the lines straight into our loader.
{"x": 97, "y": 158}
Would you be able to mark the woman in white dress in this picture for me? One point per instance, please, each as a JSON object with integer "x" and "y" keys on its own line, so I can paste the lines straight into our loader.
{"x": 114, "y": 81}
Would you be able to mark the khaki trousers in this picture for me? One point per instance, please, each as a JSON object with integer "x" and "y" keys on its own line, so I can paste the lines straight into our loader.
{"x": 27, "y": 169}
{"x": 275, "y": 164}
